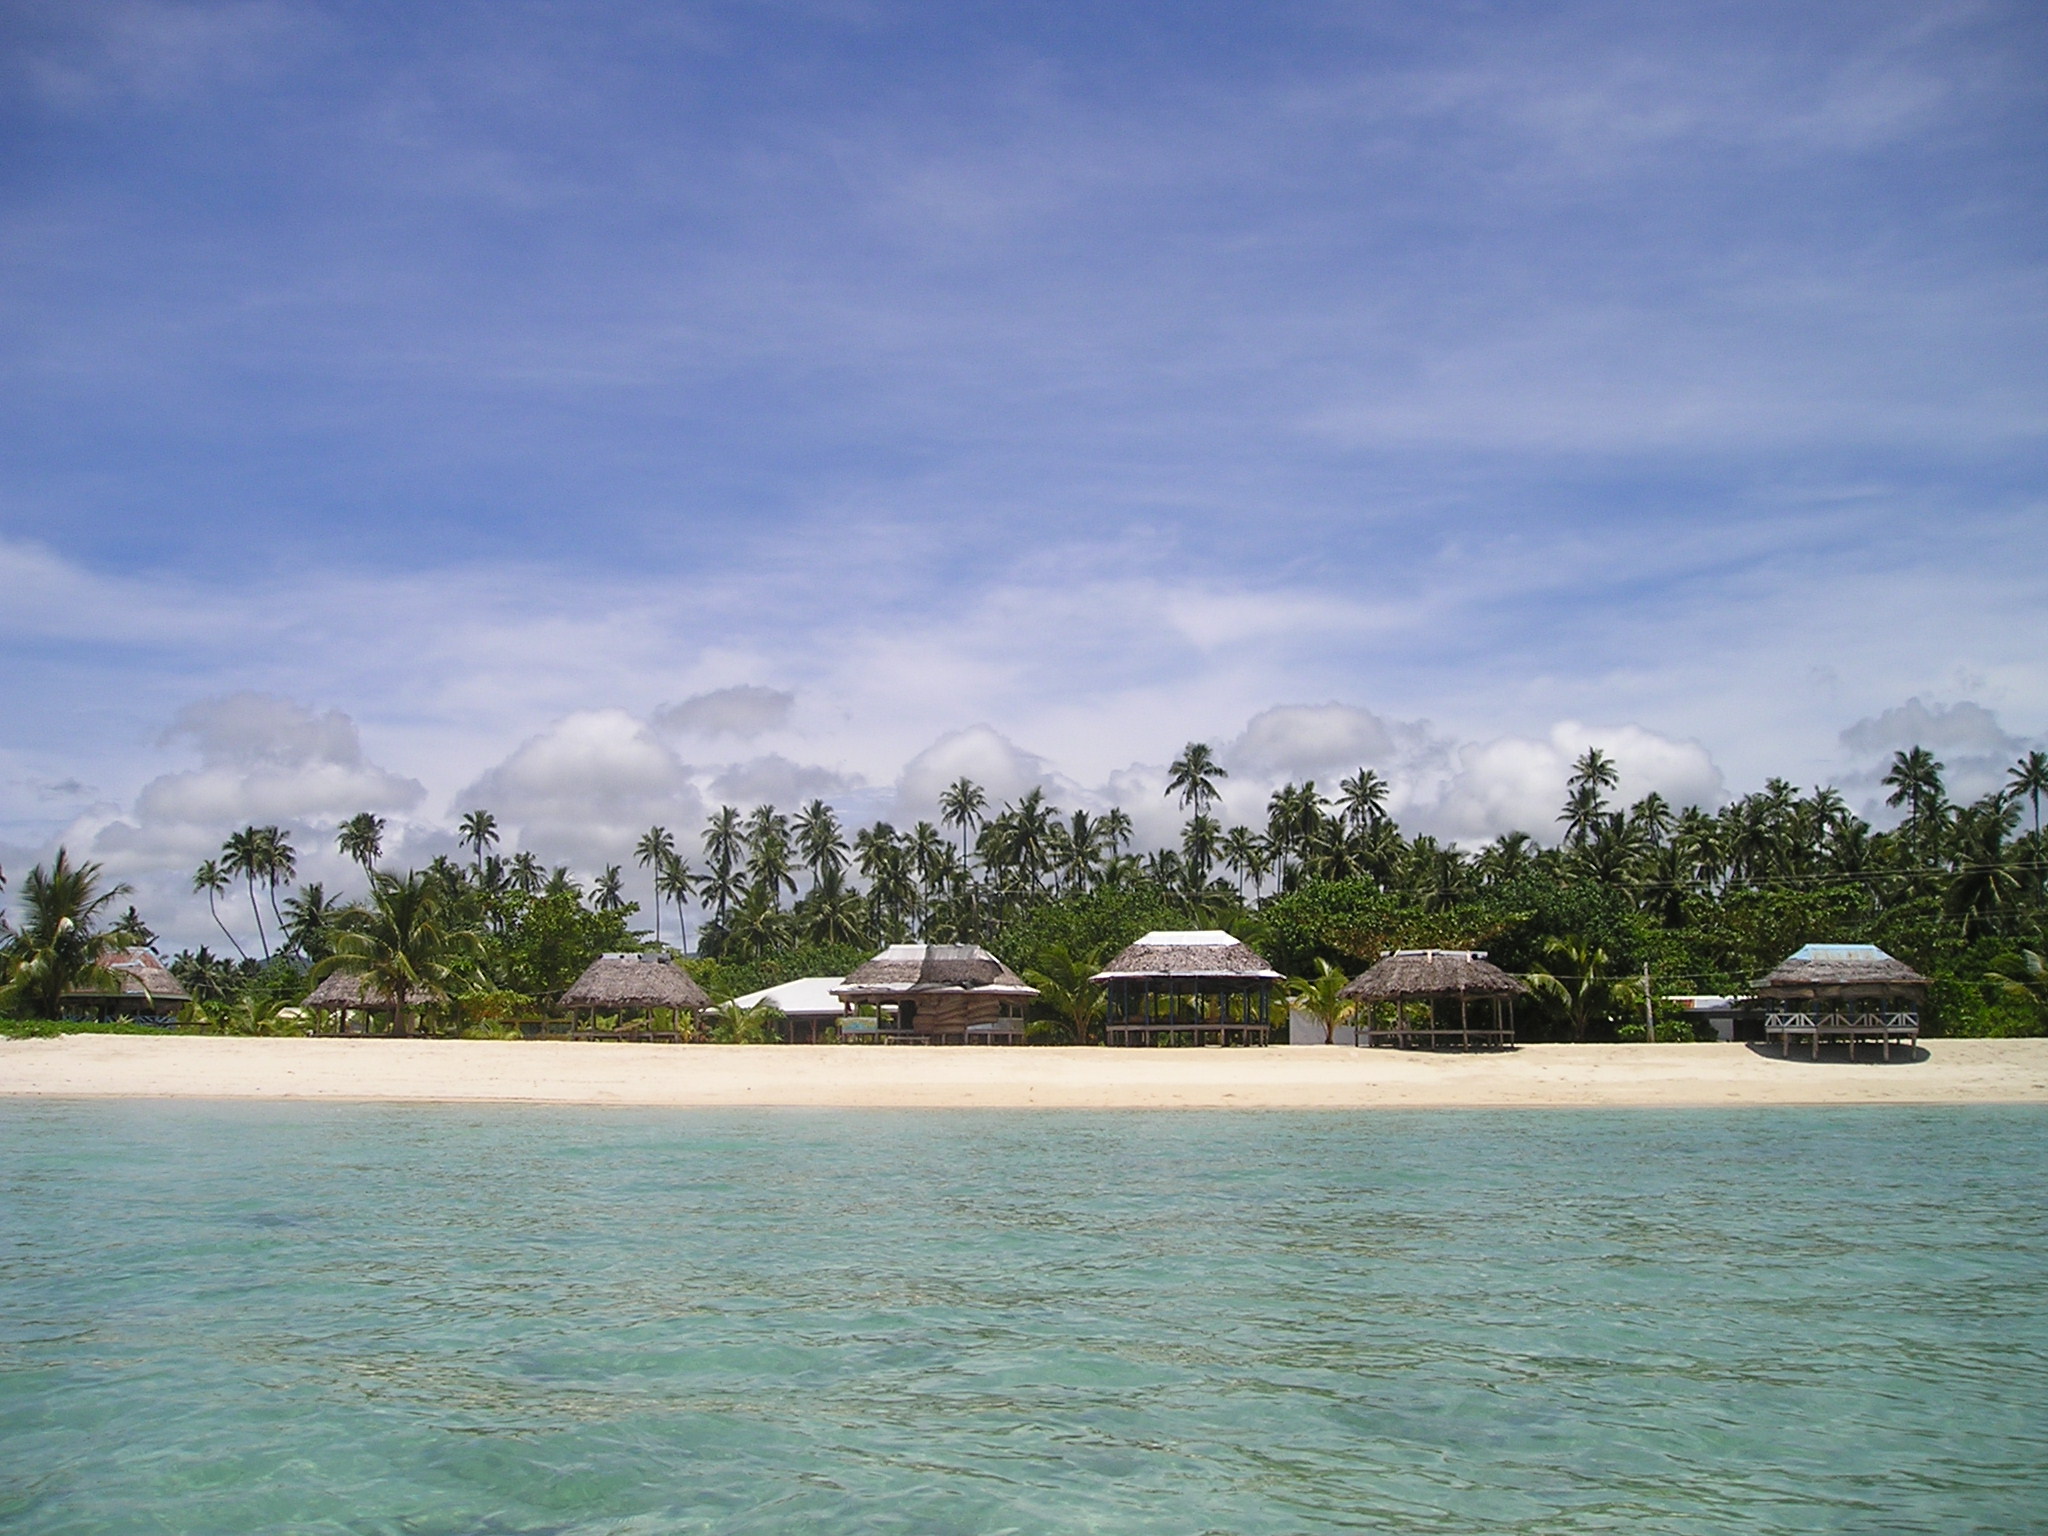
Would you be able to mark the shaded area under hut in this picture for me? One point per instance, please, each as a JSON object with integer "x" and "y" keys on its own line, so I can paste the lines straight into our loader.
{"x": 807, "y": 1009}
{"x": 1432, "y": 993}
{"x": 637, "y": 990}
{"x": 1188, "y": 987}
{"x": 136, "y": 985}
{"x": 1852, "y": 994}
{"x": 934, "y": 994}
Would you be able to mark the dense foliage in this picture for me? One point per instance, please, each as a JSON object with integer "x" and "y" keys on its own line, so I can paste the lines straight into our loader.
{"x": 1704, "y": 901}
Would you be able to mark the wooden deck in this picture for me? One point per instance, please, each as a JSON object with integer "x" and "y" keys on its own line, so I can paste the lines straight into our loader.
{"x": 1884, "y": 1029}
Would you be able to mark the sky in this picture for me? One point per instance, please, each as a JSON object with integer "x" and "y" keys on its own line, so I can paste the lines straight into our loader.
{"x": 600, "y": 412}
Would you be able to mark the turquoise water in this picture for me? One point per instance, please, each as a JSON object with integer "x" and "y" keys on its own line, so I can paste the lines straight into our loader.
{"x": 222, "y": 1318}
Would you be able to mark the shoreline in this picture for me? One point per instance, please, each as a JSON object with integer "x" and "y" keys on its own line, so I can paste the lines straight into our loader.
{"x": 874, "y": 1077}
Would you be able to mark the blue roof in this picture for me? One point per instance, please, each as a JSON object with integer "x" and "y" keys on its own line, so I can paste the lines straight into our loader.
{"x": 1840, "y": 952}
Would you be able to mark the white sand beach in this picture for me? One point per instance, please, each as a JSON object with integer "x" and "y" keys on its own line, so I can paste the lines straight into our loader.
{"x": 92, "y": 1066}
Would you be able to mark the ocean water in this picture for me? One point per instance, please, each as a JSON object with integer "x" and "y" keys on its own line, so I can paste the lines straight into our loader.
{"x": 361, "y": 1319}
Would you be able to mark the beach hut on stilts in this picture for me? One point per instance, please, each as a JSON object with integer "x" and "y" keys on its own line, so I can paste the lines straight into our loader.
{"x": 1436, "y": 999}
{"x": 1842, "y": 994}
{"x": 1188, "y": 987}
{"x": 934, "y": 994}
{"x": 637, "y": 990}
{"x": 352, "y": 1002}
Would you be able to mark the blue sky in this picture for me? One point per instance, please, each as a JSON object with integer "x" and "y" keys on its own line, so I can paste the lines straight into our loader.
{"x": 603, "y": 410}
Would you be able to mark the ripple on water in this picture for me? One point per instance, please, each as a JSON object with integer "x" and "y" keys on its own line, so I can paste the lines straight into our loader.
{"x": 522, "y": 1320}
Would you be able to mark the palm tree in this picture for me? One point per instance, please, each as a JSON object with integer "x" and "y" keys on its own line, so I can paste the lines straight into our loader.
{"x": 479, "y": 830}
{"x": 1583, "y": 984}
{"x": 1114, "y": 825}
{"x": 1987, "y": 878}
{"x": 525, "y": 874}
{"x": 768, "y": 861}
{"x": 655, "y": 850}
{"x": 58, "y": 945}
{"x": 2029, "y": 778}
{"x": 1243, "y": 853}
{"x": 1317, "y": 996}
{"x": 1596, "y": 768}
{"x": 722, "y": 845}
{"x": 1065, "y": 988}
{"x": 1193, "y": 776}
{"x": 404, "y": 943}
{"x": 960, "y": 805}
{"x": 1364, "y": 798}
{"x": 361, "y": 838}
{"x": 833, "y": 913}
{"x": 280, "y": 867}
{"x": 818, "y": 840}
{"x": 1031, "y": 834}
{"x": 1584, "y": 807}
{"x": 244, "y": 854}
{"x": 933, "y": 859}
{"x": 1914, "y": 779}
{"x": 674, "y": 881}
{"x": 1199, "y": 841}
{"x": 307, "y": 918}
{"x": 1292, "y": 815}
{"x": 208, "y": 877}
{"x": 609, "y": 891}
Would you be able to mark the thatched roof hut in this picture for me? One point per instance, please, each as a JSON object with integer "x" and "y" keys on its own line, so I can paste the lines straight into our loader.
{"x": 1186, "y": 987}
{"x": 908, "y": 969}
{"x": 348, "y": 991}
{"x": 1189, "y": 953}
{"x": 939, "y": 992}
{"x": 1437, "y": 978}
{"x": 139, "y": 983}
{"x": 634, "y": 984}
{"x": 1841, "y": 971}
{"x": 1416, "y": 973}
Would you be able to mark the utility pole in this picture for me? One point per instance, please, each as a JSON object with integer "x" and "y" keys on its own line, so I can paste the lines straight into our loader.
{"x": 1649, "y": 1008}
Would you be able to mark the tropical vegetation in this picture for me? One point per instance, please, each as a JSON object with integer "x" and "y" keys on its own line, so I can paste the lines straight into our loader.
{"x": 1322, "y": 884}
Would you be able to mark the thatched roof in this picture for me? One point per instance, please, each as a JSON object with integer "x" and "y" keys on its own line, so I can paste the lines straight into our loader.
{"x": 346, "y": 989}
{"x": 622, "y": 982}
{"x": 1201, "y": 952}
{"x": 908, "y": 969}
{"x": 136, "y": 973}
{"x": 1433, "y": 973}
{"x": 1834, "y": 967}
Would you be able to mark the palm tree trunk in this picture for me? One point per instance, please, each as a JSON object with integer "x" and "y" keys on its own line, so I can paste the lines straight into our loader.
{"x": 256, "y": 911}
{"x": 224, "y": 927}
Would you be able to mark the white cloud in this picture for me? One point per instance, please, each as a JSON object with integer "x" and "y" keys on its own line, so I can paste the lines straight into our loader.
{"x": 746, "y": 711}
{"x": 981, "y": 753}
{"x": 1517, "y": 783}
{"x": 1973, "y": 747}
{"x": 585, "y": 788}
{"x": 262, "y": 759}
{"x": 778, "y": 781}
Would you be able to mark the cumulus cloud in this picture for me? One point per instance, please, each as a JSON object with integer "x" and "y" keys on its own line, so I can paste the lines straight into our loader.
{"x": 776, "y": 780}
{"x": 746, "y": 711}
{"x": 1518, "y": 782}
{"x": 584, "y": 789}
{"x": 1975, "y": 749}
{"x": 982, "y": 753}
{"x": 262, "y": 759}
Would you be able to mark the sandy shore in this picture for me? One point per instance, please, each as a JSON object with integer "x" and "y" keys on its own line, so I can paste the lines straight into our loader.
{"x": 90, "y": 1066}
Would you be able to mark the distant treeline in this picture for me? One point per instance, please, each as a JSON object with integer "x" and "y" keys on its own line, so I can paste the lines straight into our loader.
{"x": 1706, "y": 901}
